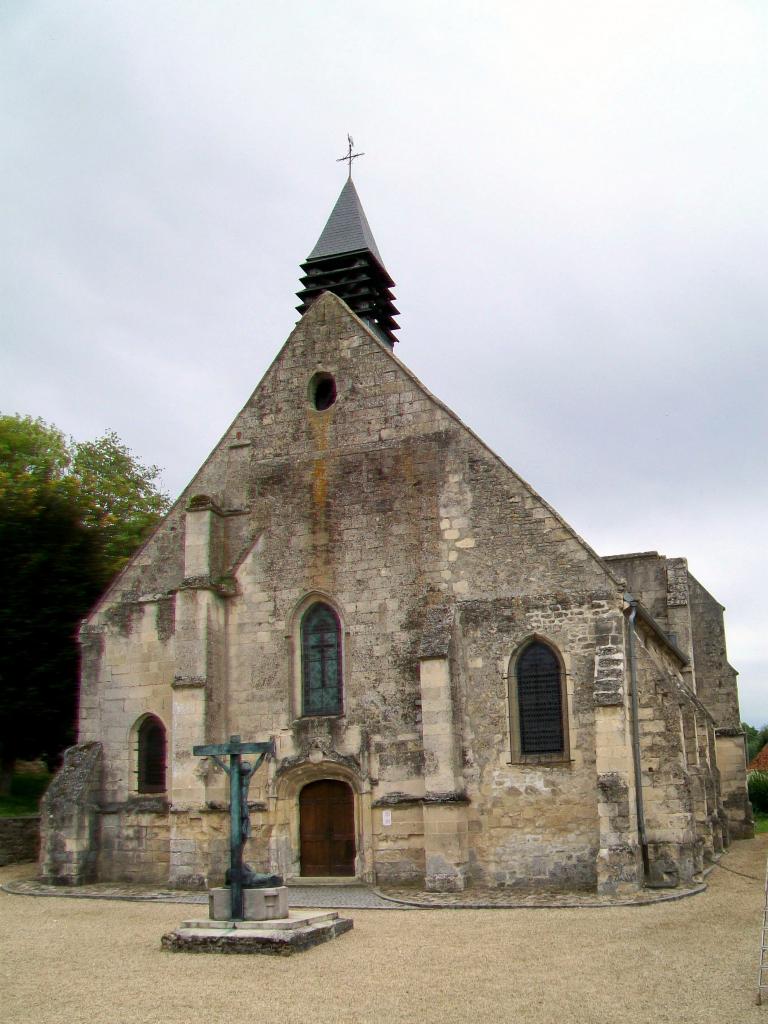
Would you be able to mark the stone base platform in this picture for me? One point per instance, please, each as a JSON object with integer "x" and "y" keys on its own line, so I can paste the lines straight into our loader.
{"x": 278, "y": 937}
{"x": 258, "y": 904}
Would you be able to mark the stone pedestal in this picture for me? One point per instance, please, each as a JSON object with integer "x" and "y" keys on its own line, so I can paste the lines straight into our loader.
{"x": 258, "y": 904}
{"x": 267, "y": 926}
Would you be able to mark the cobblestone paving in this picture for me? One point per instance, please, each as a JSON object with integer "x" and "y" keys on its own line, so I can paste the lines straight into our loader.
{"x": 478, "y": 898}
{"x": 105, "y": 891}
{"x": 362, "y": 897}
{"x": 349, "y": 897}
{"x": 322, "y": 896}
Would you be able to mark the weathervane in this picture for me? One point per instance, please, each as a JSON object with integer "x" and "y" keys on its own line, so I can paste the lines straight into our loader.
{"x": 350, "y": 155}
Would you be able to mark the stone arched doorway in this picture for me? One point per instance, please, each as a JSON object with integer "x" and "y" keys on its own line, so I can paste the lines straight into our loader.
{"x": 327, "y": 829}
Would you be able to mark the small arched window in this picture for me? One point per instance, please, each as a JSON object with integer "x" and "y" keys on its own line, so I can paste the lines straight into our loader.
{"x": 151, "y": 756}
{"x": 321, "y": 661}
{"x": 540, "y": 704}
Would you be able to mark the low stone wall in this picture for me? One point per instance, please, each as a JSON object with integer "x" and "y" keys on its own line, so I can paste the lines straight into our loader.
{"x": 19, "y": 839}
{"x": 68, "y": 818}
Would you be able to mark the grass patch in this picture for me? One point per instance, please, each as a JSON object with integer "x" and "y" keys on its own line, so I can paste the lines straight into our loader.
{"x": 761, "y": 822}
{"x": 24, "y": 798}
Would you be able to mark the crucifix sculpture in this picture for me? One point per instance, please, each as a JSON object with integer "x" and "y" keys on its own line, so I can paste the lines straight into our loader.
{"x": 240, "y": 773}
{"x": 350, "y": 155}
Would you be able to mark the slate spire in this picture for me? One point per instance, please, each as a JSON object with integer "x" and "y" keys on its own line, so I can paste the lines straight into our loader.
{"x": 347, "y": 262}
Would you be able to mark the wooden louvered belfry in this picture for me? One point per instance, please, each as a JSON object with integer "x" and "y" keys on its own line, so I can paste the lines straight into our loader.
{"x": 347, "y": 262}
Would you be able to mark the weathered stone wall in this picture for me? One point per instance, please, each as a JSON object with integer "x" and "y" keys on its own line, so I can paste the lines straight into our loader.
{"x": 733, "y": 784}
{"x": 532, "y": 822}
{"x": 716, "y": 687}
{"x": 383, "y": 505}
{"x": 69, "y": 818}
{"x": 700, "y": 765}
{"x": 134, "y": 841}
{"x": 680, "y": 781}
{"x": 619, "y": 858}
{"x": 399, "y": 846}
{"x": 661, "y": 586}
{"x": 694, "y": 620}
{"x": 646, "y": 578}
{"x": 440, "y": 563}
{"x": 128, "y": 664}
{"x": 19, "y": 839}
{"x": 715, "y": 678}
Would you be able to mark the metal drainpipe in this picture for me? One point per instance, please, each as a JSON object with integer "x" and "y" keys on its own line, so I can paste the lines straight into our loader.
{"x": 636, "y": 739}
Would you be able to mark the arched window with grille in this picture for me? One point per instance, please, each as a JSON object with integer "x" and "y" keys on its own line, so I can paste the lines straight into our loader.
{"x": 538, "y": 705}
{"x": 321, "y": 670}
{"x": 151, "y": 755}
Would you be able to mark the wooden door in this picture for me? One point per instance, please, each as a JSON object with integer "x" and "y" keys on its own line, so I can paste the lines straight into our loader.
{"x": 327, "y": 825}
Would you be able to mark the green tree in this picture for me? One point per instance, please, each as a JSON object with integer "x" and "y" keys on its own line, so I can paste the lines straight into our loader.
{"x": 70, "y": 517}
{"x": 32, "y": 454}
{"x": 119, "y": 495}
{"x": 756, "y": 739}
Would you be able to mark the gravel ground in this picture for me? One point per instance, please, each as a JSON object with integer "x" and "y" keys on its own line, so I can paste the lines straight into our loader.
{"x": 65, "y": 961}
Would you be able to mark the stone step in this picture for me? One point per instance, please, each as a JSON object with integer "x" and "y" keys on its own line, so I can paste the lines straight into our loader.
{"x": 274, "y": 924}
{"x": 269, "y": 940}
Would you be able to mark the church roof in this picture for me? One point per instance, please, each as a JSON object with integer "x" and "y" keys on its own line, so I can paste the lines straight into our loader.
{"x": 347, "y": 229}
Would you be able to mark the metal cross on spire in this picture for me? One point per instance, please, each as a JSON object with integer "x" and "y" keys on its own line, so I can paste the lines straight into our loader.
{"x": 350, "y": 155}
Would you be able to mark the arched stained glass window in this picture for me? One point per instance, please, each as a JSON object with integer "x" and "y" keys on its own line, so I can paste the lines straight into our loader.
{"x": 151, "y": 756}
{"x": 321, "y": 661}
{"x": 540, "y": 701}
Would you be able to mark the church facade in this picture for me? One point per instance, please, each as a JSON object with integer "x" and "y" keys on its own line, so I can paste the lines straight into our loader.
{"x": 460, "y": 690}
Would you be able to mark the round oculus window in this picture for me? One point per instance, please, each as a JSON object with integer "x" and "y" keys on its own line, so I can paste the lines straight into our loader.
{"x": 322, "y": 391}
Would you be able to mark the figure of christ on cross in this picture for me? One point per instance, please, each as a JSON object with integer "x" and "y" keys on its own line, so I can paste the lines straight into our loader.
{"x": 240, "y": 773}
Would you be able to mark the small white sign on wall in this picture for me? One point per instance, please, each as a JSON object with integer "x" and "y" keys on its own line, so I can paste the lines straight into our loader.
{"x": 386, "y": 818}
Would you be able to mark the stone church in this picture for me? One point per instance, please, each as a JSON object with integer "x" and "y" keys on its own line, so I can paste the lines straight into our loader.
{"x": 460, "y": 690}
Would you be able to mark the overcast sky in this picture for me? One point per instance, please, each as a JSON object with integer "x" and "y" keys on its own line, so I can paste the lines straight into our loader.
{"x": 571, "y": 198}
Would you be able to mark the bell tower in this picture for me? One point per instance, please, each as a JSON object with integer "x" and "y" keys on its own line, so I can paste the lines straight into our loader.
{"x": 347, "y": 262}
